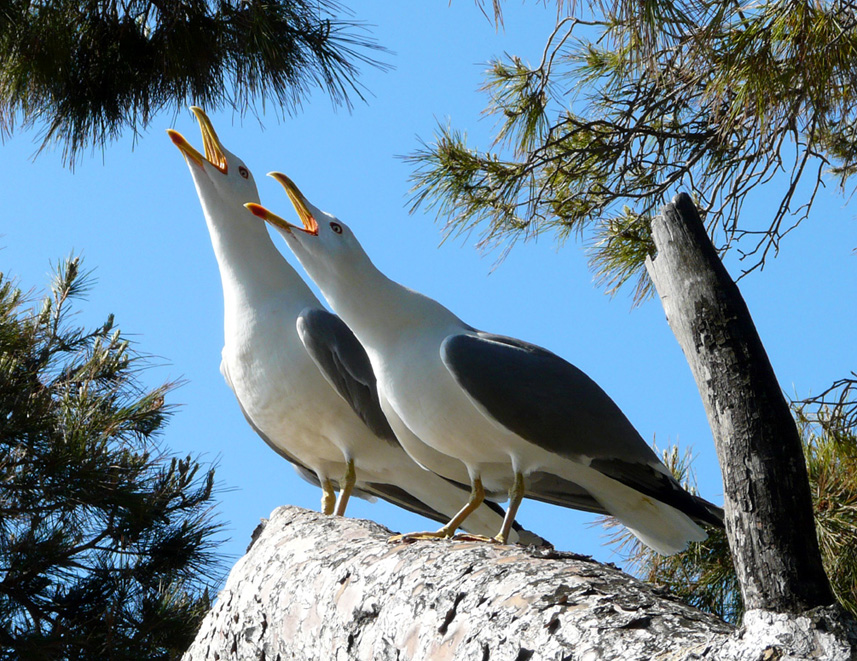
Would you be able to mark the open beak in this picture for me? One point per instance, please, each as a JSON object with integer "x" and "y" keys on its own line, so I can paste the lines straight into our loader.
{"x": 310, "y": 226}
{"x": 190, "y": 153}
{"x": 271, "y": 217}
{"x": 211, "y": 144}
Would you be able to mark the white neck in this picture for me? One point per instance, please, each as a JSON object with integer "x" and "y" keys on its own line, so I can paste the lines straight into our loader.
{"x": 253, "y": 273}
{"x": 378, "y": 310}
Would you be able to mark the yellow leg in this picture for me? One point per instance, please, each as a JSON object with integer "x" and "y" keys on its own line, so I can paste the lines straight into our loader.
{"x": 346, "y": 487}
{"x": 516, "y": 495}
{"x": 477, "y": 495}
{"x": 328, "y": 498}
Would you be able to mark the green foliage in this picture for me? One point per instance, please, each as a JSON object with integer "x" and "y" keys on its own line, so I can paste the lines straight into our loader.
{"x": 650, "y": 98}
{"x": 473, "y": 187}
{"x": 85, "y": 70}
{"x": 106, "y": 543}
{"x": 704, "y": 575}
{"x": 830, "y": 447}
{"x": 623, "y": 242}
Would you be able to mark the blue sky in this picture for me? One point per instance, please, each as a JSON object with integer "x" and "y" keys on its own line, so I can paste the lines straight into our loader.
{"x": 132, "y": 212}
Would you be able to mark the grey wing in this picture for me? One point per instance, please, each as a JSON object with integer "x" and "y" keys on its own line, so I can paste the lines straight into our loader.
{"x": 344, "y": 363}
{"x": 550, "y": 488}
{"x": 551, "y": 403}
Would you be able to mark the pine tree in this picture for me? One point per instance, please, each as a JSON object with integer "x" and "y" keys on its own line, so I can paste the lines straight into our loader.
{"x": 107, "y": 543}
{"x": 704, "y": 575}
{"x": 636, "y": 100}
{"x": 85, "y": 70}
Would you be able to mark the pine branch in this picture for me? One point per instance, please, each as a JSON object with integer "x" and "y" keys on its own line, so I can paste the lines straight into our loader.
{"x": 84, "y": 71}
{"x": 107, "y": 543}
{"x": 646, "y": 99}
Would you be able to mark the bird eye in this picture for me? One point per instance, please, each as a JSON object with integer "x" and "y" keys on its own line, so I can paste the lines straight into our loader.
{"x": 244, "y": 172}
{"x": 336, "y": 227}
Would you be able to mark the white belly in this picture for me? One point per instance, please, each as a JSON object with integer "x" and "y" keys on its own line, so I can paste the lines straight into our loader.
{"x": 277, "y": 394}
{"x": 290, "y": 401}
{"x": 432, "y": 404}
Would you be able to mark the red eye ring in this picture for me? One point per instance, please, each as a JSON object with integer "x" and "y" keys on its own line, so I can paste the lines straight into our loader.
{"x": 336, "y": 227}
{"x": 244, "y": 172}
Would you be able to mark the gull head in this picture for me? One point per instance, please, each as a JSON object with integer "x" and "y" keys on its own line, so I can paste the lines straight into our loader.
{"x": 218, "y": 171}
{"x": 325, "y": 245}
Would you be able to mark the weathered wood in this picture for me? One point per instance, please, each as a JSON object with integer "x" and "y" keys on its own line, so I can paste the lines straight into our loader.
{"x": 322, "y": 588}
{"x": 767, "y": 500}
{"x": 316, "y": 587}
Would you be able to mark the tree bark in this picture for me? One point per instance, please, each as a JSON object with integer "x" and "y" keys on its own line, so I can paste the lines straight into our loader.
{"x": 332, "y": 588}
{"x": 768, "y": 507}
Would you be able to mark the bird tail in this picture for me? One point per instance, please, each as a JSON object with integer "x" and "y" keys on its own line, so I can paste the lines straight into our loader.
{"x": 662, "y": 527}
{"x": 665, "y": 529}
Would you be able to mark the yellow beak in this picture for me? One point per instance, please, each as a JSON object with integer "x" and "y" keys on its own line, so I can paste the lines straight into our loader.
{"x": 192, "y": 154}
{"x": 210, "y": 142}
{"x": 310, "y": 226}
{"x": 271, "y": 217}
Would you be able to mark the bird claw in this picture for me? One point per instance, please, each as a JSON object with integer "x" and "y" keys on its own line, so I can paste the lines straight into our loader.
{"x": 468, "y": 537}
{"x": 410, "y": 537}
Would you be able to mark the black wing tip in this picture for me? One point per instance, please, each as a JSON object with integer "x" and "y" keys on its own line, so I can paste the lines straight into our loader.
{"x": 696, "y": 507}
{"x": 529, "y": 538}
{"x": 314, "y": 311}
{"x": 662, "y": 487}
{"x": 712, "y": 514}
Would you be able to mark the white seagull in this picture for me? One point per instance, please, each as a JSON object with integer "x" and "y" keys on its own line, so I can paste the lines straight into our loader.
{"x": 520, "y": 418}
{"x": 277, "y": 334}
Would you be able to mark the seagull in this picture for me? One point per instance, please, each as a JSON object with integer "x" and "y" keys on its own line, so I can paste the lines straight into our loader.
{"x": 277, "y": 336}
{"x": 521, "y": 418}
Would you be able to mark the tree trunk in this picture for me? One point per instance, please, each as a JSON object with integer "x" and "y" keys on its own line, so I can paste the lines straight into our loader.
{"x": 768, "y": 507}
{"x": 332, "y": 588}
